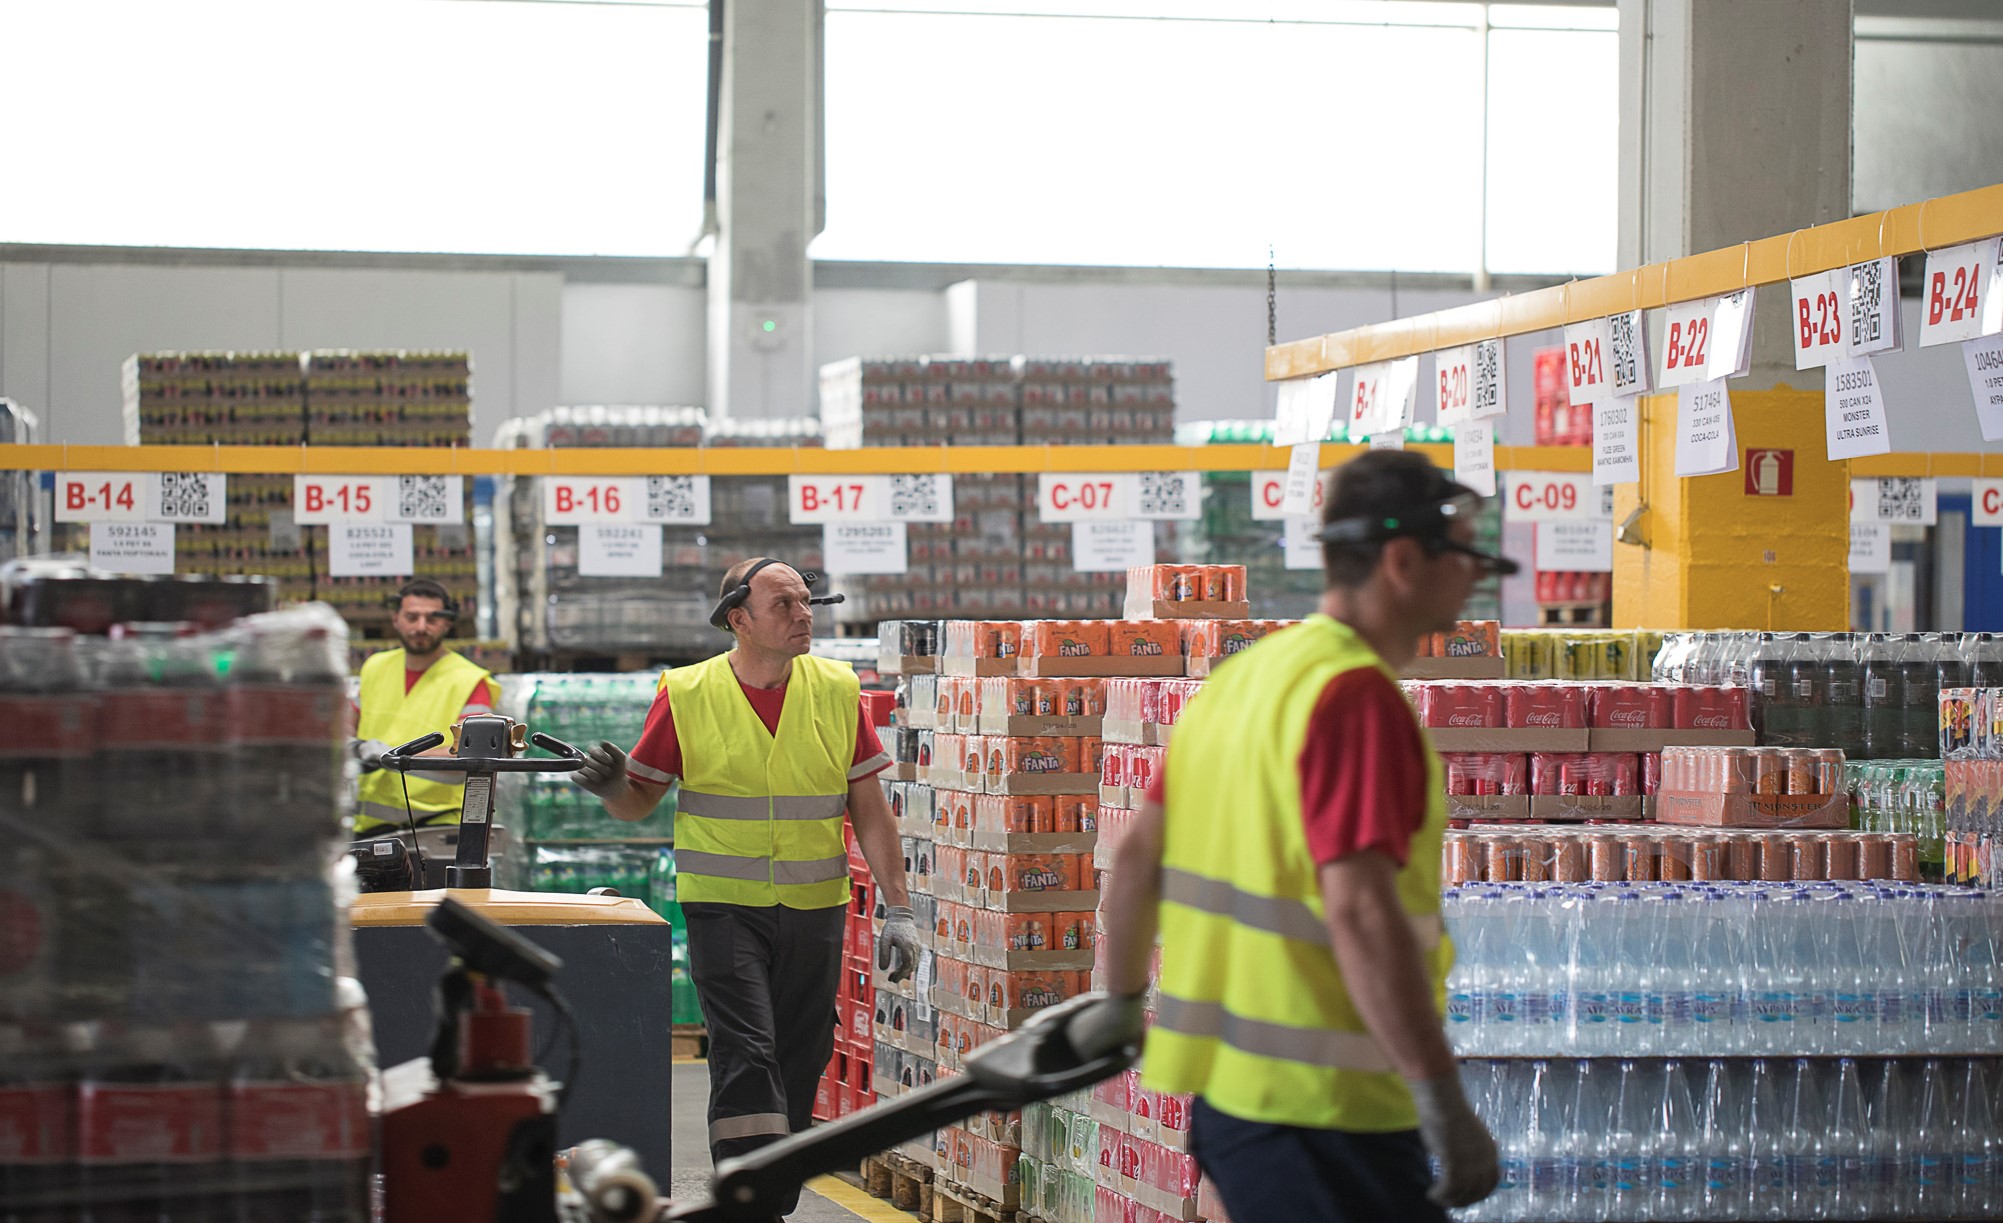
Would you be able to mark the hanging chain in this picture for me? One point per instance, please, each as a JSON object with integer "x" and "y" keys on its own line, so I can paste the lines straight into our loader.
{"x": 1272, "y": 300}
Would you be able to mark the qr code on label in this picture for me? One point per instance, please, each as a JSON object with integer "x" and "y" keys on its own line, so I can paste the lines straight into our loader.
{"x": 1867, "y": 285}
{"x": 1487, "y": 378}
{"x": 1164, "y": 494}
{"x": 183, "y": 495}
{"x": 671, "y": 498}
{"x": 914, "y": 497}
{"x": 1901, "y": 499}
{"x": 1626, "y": 353}
{"x": 422, "y": 498}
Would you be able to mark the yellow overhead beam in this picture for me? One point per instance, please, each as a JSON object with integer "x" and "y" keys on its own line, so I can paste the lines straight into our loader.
{"x": 1946, "y": 221}
{"x": 722, "y": 461}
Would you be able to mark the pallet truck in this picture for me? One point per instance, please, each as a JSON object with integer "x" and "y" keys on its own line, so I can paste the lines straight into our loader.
{"x": 470, "y": 1133}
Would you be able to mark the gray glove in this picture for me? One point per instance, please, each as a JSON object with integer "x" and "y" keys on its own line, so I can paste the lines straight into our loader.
{"x": 897, "y": 947}
{"x": 603, "y": 772}
{"x": 1457, "y": 1138}
{"x": 1109, "y": 1023}
{"x": 368, "y": 753}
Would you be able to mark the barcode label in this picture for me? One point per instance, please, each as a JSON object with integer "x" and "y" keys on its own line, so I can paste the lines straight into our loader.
{"x": 678, "y": 499}
{"x": 1486, "y": 399}
{"x": 185, "y": 496}
{"x": 1627, "y": 349}
{"x": 422, "y": 499}
{"x": 1166, "y": 494}
{"x": 916, "y": 498}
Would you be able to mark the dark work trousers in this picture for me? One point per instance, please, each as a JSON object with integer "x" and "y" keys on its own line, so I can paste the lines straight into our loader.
{"x": 1304, "y": 1175}
{"x": 767, "y": 979}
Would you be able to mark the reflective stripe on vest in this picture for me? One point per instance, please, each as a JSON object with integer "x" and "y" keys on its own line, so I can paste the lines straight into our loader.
{"x": 1254, "y": 1014}
{"x": 728, "y": 807}
{"x": 394, "y": 717}
{"x": 760, "y": 817}
{"x": 1273, "y": 914}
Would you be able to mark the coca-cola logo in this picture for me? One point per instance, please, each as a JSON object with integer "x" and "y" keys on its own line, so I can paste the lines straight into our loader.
{"x": 1710, "y": 721}
{"x": 1543, "y": 719}
{"x": 1627, "y": 718}
{"x": 1464, "y": 719}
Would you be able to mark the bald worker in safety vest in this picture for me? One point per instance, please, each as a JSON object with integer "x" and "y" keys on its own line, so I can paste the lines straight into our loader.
{"x": 1289, "y": 858}
{"x": 772, "y": 751}
{"x": 406, "y": 694}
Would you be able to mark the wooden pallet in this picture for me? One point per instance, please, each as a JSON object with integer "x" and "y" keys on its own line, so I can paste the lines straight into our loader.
{"x": 690, "y": 1040}
{"x": 958, "y": 1204}
{"x": 905, "y": 1182}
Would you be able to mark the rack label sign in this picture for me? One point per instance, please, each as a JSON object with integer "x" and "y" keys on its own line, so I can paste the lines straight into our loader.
{"x": 132, "y": 547}
{"x": 1470, "y": 383}
{"x": 1984, "y": 359}
{"x": 1986, "y": 505}
{"x": 1154, "y": 496}
{"x": 1586, "y": 362}
{"x": 1911, "y": 500}
{"x": 1552, "y": 496}
{"x": 141, "y": 496}
{"x": 324, "y": 500}
{"x": 1111, "y": 547}
{"x": 619, "y": 550}
{"x": 369, "y": 549}
{"x": 905, "y": 498}
{"x": 1854, "y": 409}
{"x": 1955, "y": 297}
{"x": 865, "y": 547}
{"x": 1575, "y": 547}
{"x": 1819, "y": 334}
{"x": 569, "y": 501}
{"x": 1269, "y": 490}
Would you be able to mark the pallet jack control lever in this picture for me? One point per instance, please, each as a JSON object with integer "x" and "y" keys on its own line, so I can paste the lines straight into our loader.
{"x": 485, "y": 744}
{"x": 1035, "y": 1062}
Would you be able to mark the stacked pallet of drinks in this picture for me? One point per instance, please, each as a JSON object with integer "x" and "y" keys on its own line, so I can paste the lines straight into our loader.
{"x": 996, "y": 558}
{"x": 335, "y": 397}
{"x": 20, "y": 528}
{"x": 1230, "y": 530}
{"x": 178, "y": 1035}
{"x": 558, "y": 613}
{"x": 1969, "y": 786}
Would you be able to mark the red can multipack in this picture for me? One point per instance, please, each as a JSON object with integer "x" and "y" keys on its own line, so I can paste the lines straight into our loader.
{"x": 1631, "y": 707}
{"x": 1616, "y": 774}
{"x": 1546, "y": 706}
{"x": 1708, "y": 707}
{"x": 1461, "y": 704}
{"x": 1473, "y": 773}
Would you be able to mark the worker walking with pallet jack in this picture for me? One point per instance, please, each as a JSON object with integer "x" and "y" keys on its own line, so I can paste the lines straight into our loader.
{"x": 1290, "y": 860}
{"x": 772, "y": 750}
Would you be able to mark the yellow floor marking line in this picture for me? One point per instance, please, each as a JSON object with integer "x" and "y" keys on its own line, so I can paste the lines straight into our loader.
{"x": 856, "y": 1202}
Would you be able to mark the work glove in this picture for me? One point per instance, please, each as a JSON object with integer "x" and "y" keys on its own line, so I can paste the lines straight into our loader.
{"x": 897, "y": 946}
{"x": 603, "y": 772}
{"x": 368, "y": 753}
{"x": 1456, "y": 1137}
{"x": 1109, "y": 1024}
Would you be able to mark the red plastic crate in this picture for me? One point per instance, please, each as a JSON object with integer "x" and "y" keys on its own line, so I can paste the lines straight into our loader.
{"x": 858, "y": 1098}
{"x": 825, "y": 1097}
{"x": 860, "y": 1023}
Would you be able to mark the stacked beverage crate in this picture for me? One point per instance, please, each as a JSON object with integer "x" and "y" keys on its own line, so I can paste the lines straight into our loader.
{"x": 995, "y": 558}
{"x": 551, "y": 609}
{"x": 342, "y": 397}
{"x": 20, "y": 528}
{"x": 180, "y": 1033}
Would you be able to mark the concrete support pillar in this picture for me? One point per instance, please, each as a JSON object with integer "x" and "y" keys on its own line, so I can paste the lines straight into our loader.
{"x": 1735, "y": 125}
{"x": 769, "y": 207}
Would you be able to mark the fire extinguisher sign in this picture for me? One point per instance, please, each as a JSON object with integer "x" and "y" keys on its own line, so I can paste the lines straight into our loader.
{"x": 1769, "y": 473}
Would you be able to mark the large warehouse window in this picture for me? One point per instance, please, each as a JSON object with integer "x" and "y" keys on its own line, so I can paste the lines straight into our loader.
{"x": 1150, "y": 132}
{"x": 393, "y": 125}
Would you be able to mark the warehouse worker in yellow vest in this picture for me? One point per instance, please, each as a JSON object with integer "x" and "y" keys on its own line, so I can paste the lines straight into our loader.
{"x": 408, "y": 693}
{"x": 772, "y": 749}
{"x": 1289, "y": 858}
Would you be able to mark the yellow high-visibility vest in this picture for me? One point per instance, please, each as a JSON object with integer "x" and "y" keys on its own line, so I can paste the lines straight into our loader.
{"x": 1254, "y": 1016}
{"x": 394, "y": 717}
{"x": 759, "y": 820}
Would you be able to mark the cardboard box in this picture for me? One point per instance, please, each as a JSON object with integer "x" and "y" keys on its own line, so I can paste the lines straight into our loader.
{"x": 1034, "y": 961}
{"x": 1099, "y": 666}
{"x": 902, "y": 770}
{"x": 1142, "y": 606}
{"x": 1019, "y": 726}
{"x": 981, "y": 666}
{"x": 1654, "y": 739}
{"x": 1151, "y": 734}
{"x": 910, "y": 664}
{"x": 1116, "y": 796}
{"x": 1043, "y": 783}
{"x": 1483, "y": 667}
{"x": 1509, "y": 739}
{"x": 1488, "y": 807}
{"x": 994, "y": 842}
{"x": 1587, "y": 807}
{"x": 1753, "y": 810}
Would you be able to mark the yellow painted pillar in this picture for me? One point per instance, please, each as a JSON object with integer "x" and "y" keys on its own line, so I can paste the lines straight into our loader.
{"x": 1723, "y": 554}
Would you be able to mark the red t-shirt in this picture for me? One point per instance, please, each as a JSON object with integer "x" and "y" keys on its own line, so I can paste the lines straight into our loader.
{"x": 1363, "y": 770}
{"x": 657, "y": 757}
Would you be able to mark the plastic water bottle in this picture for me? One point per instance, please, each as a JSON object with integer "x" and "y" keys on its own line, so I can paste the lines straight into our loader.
{"x": 1884, "y": 698}
{"x": 1766, "y": 1164}
{"x": 1673, "y": 1149}
{"x": 1972, "y": 1162}
{"x": 1547, "y": 1131}
{"x": 1920, "y": 662}
{"x": 1888, "y": 1144}
{"x": 1631, "y": 1176}
{"x": 1931, "y": 1195}
{"x": 1722, "y": 1143}
{"x": 1847, "y": 1139}
{"x": 1586, "y": 1147}
{"x": 1811, "y": 1168}
{"x": 1842, "y": 696}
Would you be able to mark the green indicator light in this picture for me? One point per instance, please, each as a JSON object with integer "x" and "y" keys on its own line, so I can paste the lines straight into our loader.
{"x": 771, "y": 325}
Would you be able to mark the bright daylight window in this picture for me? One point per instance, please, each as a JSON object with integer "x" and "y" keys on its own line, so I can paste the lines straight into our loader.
{"x": 1151, "y": 132}
{"x": 399, "y": 125}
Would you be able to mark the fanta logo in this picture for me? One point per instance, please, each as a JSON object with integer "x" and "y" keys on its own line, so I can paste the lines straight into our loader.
{"x": 1073, "y": 649}
{"x": 1039, "y": 880}
{"x": 1141, "y": 649}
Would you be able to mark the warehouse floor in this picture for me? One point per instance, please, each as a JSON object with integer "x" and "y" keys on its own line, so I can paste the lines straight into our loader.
{"x": 829, "y": 1200}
